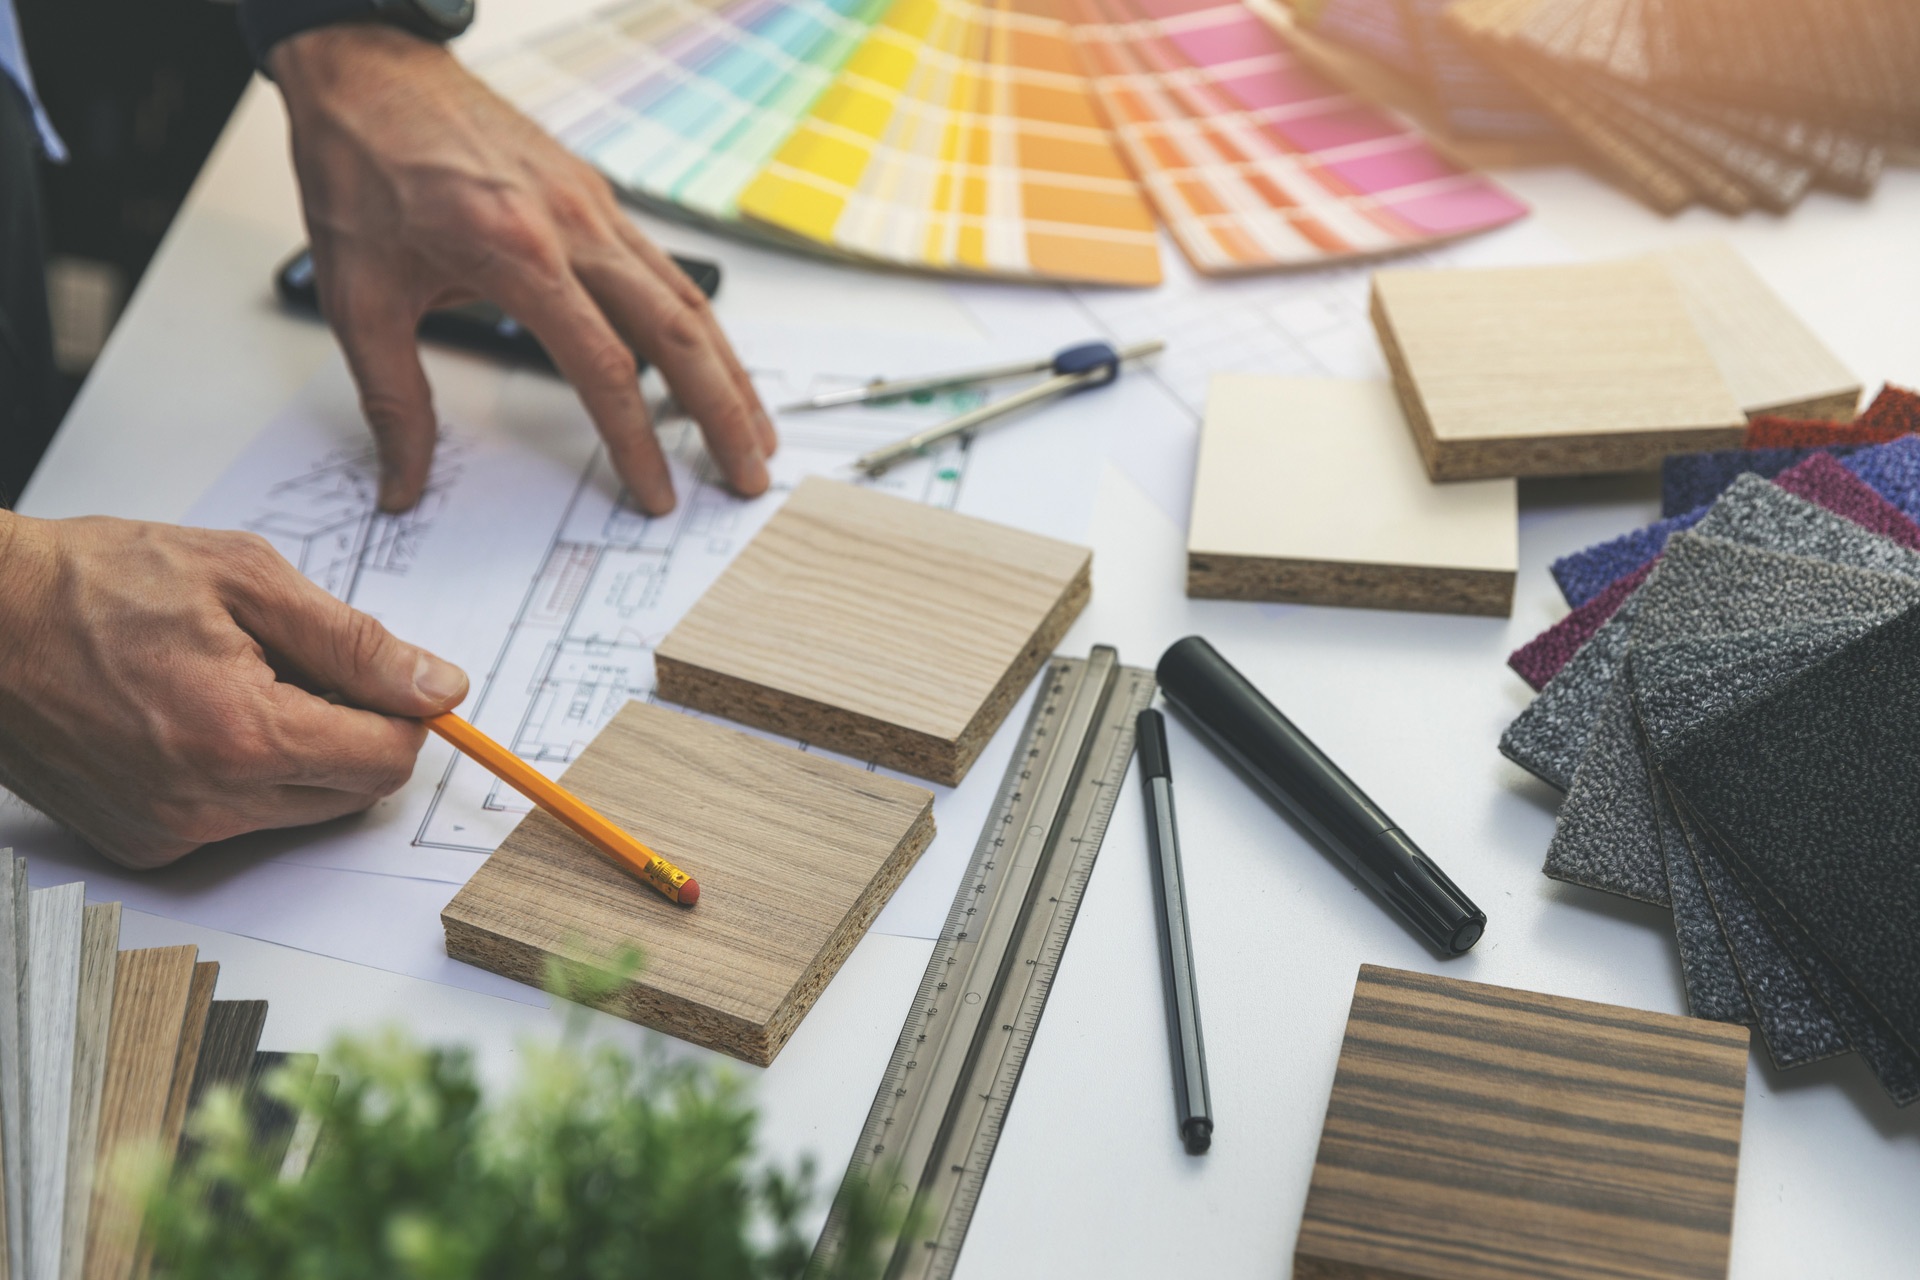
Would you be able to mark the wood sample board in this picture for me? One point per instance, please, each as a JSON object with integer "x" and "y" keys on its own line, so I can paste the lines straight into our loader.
{"x": 795, "y": 854}
{"x": 1311, "y": 491}
{"x": 1479, "y": 1131}
{"x": 1552, "y": 370}
{"x": 880, "y": 628}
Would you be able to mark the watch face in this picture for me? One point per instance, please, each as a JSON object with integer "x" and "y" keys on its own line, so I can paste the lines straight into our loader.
{"x": 454, "y": 16}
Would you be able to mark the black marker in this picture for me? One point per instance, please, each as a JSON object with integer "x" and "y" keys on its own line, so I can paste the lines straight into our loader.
{"x": 1251, "y": 730}
{"x": 1194, "y": 1109}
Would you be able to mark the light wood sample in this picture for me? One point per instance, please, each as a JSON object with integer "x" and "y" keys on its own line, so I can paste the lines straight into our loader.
{"x": 150, "y": 994}
{"x": 884, "y": 629}
{"x": 186, "y": 1057}
{"x": 1310, "y": 490}
{"x": 1548, "y": 371}
{"x": 13, "y": 1005}
{"x": 99, "y": 947}
{"x": 795, "y": 855}
{"x": 1479, "y": 1131}
{"x": 54, "y": 925}
{"x": 1771, "y": 361}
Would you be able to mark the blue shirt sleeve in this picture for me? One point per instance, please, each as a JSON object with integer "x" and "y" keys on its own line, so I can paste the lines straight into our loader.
{"x": 13, "y": 66}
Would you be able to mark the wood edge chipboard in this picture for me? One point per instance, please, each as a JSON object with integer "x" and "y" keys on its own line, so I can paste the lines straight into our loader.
{"x": 1417, "y": 588}
{"x": 1593, "y": 453}
{"x": 865, "y": 737}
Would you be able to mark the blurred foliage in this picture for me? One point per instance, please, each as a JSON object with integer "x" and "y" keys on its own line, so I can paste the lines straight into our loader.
{"x": 598, "y": 1163}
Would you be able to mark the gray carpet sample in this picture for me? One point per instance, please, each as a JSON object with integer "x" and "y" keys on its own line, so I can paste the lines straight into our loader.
{"x": 1811, "y": 788}
{"x": 1550, "y": 736}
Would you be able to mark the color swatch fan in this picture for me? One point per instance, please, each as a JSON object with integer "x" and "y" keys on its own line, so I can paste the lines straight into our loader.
{"x": 1023, "y": 139}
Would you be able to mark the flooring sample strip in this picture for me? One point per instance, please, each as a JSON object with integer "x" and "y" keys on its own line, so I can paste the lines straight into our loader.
{"x": 1478, "y": 1131}
{"x": 13, "y": 1135}
{"x": 54, "y": 925}
{"x": 231, "y": 1039}
{"x": 150, "y": 993}
{"x": 1310, "y": 491}
{"x": 272, "y": 1120}
{"x": 193, "y": 1028}
{"x": 1771, "y": 361}
{"x": 99, "y": 948}
{"x": 880, "y": 628}
{"x": 1553, "y": 370}
{"x": 1811, "y": 789}
{"x": 795, "y": 854}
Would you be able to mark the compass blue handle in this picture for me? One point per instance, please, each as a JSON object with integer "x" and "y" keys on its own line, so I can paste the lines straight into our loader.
{"x": 1091, "y": 357}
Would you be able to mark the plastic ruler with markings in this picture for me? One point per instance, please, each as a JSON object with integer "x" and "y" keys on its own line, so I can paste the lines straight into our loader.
{"x": 936, "y": 1120}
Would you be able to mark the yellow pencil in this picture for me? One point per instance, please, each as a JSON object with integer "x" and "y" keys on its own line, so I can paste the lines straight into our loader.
{"x": 578, "y": 816}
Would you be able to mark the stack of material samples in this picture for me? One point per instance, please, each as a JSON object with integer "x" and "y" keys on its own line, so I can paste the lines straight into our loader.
{"x": 1735, "y": 741}
{"x": 104, "y": 1052}
{"x": 1026, "y": 139}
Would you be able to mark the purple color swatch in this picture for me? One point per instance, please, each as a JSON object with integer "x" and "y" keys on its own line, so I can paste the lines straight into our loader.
{"x": 1689, "y": 480}
{"x": 1894, "y": 472}
{"x": 1540, "y": 659}
{"x": 1820, "y": 479}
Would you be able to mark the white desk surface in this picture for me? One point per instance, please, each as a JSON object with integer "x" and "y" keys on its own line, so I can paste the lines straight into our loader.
{"x": 1089, "y": 1179}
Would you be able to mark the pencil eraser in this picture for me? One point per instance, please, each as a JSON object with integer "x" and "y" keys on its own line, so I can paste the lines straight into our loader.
{"x": 689, "y": 893}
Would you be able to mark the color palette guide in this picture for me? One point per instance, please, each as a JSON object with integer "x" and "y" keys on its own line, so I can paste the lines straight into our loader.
{"x": 1022, "y": 139}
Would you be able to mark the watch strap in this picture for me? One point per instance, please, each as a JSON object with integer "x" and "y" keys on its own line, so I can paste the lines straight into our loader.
{"x": 265, "y": 23}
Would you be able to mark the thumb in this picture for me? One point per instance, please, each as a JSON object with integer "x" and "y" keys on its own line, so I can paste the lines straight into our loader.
{"x": 377, "y": 332}
{"x": 341, "y": 650}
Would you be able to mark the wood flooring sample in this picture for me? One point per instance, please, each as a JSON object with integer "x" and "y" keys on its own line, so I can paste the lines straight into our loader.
{"x": 99, "y": 950}
{"x": 1310, "y": 491}
{"x": 1484, "y": 1132}
{"x": 880, "y": 628}
{"x": 13, "y": 1001}
{"x": 1771, "y": 361}
{"x": 1550, "y": 371}
{"x": 151, "y": 989}
{"x": 55, "y": 924}
{"x": 795, "y": 855}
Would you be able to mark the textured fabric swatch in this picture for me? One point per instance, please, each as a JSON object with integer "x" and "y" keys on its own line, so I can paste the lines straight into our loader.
{"x": 1893, "y": 471}
{"x": 1689, "y": 480}
{"x": 1894, "y": 409}
{"x": 1824, "y": 481}
{"x": 1548, "y": 738}
{"x": 1811, "y": 788}
{"x": 1607, "y": 837}
{"x": 1540, "y": 659}
{"x": 1769, "y": 432}
{"x": 1585, "y": 574}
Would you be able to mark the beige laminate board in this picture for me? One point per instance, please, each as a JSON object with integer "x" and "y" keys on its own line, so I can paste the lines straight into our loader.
{"x": 1552, "y": 370}
{"x": 151, "y": 989}
{"x": 55, "y": 920}
{"x": 1771, "y": 361}
{"x": 13, "y": 1140}
{"x": 1483, "y": 1133}
{"x": 99, "y": 947}
{"x": 1311, "y": 491}
{"x": 795, "y": 854}
{"x": 884, "y": 629}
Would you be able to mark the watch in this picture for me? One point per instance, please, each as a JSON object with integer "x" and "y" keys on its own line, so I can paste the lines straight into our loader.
{"x": 265, "y": 23}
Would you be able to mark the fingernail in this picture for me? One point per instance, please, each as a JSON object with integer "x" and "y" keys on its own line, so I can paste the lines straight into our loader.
{"x": 753, "y": 477}
{"x": 438, "y": 681}
{"x": 392, "y": 499}
{"x": 659, "y": 499}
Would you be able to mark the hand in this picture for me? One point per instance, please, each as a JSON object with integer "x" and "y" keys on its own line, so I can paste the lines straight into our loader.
{"x": 424, "y": 189}
{"x": 160, "y": 687}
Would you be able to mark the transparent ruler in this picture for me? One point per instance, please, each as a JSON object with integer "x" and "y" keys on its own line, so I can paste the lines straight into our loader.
{"x": 938, "y": 1114}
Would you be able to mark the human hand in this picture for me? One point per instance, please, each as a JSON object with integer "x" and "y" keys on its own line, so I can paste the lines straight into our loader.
{"x": 423, "y": 188}
{"x": 160, "y": 688}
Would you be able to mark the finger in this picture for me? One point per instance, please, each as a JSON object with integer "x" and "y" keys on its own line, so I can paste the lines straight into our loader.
{"x": 341, "y": 748}
{"x": 666, "y": 316}
{"x": 335, "y": 646}
{"x": 603, "y": 371}
{"x": 376, "y": 329}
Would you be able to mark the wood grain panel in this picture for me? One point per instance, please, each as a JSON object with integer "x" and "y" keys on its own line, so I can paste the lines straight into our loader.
{"x": 55, "y": 920}
{"x": 884, "y": 629}
{"x": 795, "y": 855}
{"x": 99, "y": 947}
{"x": 1478, "y": 1131}
{"x": 13, "y": 1004}
{"x": 150, "y": 994}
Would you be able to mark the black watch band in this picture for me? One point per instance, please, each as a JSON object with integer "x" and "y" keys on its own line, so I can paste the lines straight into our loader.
{"x": 265, "y": 23}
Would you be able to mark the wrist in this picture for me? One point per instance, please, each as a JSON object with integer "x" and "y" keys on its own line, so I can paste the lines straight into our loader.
{"x": 307, "y": 64}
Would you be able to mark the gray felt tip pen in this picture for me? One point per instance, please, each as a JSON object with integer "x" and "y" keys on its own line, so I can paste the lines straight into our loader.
{"x": 1192, "y": 1107}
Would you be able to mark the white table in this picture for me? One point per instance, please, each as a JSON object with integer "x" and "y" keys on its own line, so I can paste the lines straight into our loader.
{"x": 1089, "y": 1179}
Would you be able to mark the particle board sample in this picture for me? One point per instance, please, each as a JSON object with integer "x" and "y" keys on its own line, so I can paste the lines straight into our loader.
{"x": 884, "y": 629}
{"x": 150, "y": 994}
{"x": 795, "y": 854}
{"x": 99, "y": 946}
{"x": 1546, "y": 371}
{"x": 54, "y": 925}
{"x": 1772, "y": 362}
{"x": 1309, "y": 490}
{"x": 1479, "y": 1131}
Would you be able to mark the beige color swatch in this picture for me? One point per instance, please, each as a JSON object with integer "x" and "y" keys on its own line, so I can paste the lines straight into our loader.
{"x": 1311, "y": 490}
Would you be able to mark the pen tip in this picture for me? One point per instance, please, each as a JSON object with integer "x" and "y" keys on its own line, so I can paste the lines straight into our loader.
{"x": 689, "y": 893}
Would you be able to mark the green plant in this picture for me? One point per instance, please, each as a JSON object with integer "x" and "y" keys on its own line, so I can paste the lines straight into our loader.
{"x": 597, "y": 1164}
